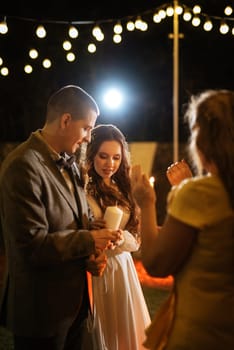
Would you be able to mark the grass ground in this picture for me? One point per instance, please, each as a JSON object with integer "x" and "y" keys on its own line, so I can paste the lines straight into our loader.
{"x": 153, "y": 297}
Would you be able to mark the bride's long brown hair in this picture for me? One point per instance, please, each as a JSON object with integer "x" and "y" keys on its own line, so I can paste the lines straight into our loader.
{"x": 106, "y": 195}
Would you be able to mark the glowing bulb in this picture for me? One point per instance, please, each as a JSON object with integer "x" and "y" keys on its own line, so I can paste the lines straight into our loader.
{"x": 224, "y": 28}
{"x": 33, "y": 54}
{"x": 28, "y": 69}
{"x": 73, "y": 32}
{"x": 46, "y": 63}
{"x": 117, "y": 38}
{"x": 3, "y": 27}
{"x": 130, "y": 26}
{"x": 71, "y": 57}
{"x": 4, "y": 71}
{"x": 67, "y": 45}
{"x": 118, "y": 28}
{"x": 92, "y": 48}
{"x": 196, "y": 21}
{"x": 228, "y": 10}
{"x": 208, "y": 25}
{"x": 41, "y": 32}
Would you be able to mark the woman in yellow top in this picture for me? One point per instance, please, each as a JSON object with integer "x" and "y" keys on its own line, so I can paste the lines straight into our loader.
{"x": 196, "y": 242}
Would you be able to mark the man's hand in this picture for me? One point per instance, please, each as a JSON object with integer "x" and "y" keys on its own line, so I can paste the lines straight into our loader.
{"x": 96, "y": 264}
{"x": 104, "y": 237}
{"x": 97, "y": 224}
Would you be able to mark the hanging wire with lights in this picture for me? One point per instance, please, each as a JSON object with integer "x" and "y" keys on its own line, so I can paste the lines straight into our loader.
{"x": 194, "y": 15}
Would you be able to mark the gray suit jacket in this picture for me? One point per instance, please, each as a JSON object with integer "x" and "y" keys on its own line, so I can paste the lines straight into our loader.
{"x": 46, "y": 239}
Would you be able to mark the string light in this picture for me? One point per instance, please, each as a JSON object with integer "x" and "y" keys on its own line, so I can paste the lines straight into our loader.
{"x": 224, "y": 28}
{"x": 70, "y": 57}
{"x": 208, "y": 25}
{"x": 3, "y": 27}
{"x": 33, "y": 53}
{"x": 118, "y": 28}
{"x": 46, "y": 63}
{"x": 67, "y": 45}
{"x": 228, "y": 11}
{"x": 117, "y": 38}
{"x": 196, "y": 21}
{"x": 187, "y": 15}
{"x": 92, "y": 48}
{"x": 28, "y": 69}
{"x": 4, "y": 71}
{"x": 170, "y": 11}
{"x": 41, "y": 32}
{"x": 130, "y": 26}
{"x": 73, "y": 32}
{"x": 195, "y": 15}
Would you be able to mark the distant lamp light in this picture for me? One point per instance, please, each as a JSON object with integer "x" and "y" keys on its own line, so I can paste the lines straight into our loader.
{"x": 1, "y": 61}
{"x": 41, "y": 32}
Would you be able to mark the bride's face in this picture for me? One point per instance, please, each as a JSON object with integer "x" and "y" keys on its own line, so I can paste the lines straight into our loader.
{"x": 108, "y": 159}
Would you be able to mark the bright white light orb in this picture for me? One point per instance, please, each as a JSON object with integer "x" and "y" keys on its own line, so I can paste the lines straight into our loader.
{"x": 113, "y": 98}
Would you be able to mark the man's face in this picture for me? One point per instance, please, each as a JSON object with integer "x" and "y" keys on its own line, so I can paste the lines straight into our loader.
{"x": 78, "y": 131}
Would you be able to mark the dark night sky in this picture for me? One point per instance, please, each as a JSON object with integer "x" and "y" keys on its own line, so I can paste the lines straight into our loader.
{"x": 142, "y": 64}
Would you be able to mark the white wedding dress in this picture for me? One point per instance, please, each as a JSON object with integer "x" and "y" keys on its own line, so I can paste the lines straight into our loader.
{"x": 120, "y": 311}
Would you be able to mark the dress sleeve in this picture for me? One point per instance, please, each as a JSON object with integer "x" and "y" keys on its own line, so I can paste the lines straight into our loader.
{"x": 130, "y": 243}
{"x": 198, "y": 202}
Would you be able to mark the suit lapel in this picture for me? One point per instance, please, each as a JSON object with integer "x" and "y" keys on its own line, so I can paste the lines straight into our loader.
{"x": 53, "y": 173}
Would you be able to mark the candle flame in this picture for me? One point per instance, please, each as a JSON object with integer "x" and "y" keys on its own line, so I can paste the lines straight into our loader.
{"x": 152, "y": 180}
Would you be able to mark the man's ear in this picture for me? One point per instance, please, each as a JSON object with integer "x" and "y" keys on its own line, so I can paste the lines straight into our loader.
{"x": 65, "y": 120}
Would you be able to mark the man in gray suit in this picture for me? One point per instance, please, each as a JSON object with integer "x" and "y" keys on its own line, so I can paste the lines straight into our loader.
{"x": 45, "y": 223}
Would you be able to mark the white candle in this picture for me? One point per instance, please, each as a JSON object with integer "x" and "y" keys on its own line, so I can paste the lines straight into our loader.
{"x": 113, "y": 216}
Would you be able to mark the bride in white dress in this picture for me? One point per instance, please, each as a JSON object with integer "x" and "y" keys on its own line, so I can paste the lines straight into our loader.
{"x": 120, "y": 311}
